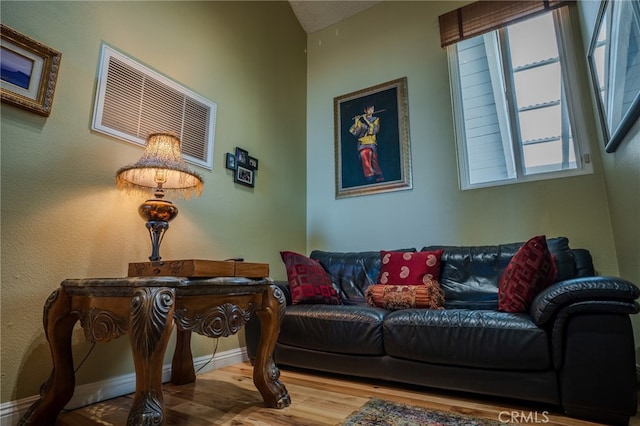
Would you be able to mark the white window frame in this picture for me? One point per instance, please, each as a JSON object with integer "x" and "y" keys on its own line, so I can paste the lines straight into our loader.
{"x": 575, "y": 102}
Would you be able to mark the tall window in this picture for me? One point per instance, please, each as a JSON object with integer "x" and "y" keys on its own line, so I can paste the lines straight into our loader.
{"x": 516, "y": 107}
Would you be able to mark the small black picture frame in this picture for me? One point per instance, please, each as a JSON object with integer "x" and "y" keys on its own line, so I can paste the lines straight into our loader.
{"x": 242, "y": 156}
{"x": 252, "y": 163}
{"x": 231, "y": 161}
{"x": 244, "y": 175}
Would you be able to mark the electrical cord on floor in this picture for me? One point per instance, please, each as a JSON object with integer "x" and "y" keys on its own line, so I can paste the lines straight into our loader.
{"x": 80, "y": 365}
{"x": 212, "y": 359}
{"x": 85, "y": 358}
{"x": 215, "y": 349}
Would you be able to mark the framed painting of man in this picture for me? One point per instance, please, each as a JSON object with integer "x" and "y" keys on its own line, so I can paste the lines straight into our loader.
{"x": 372, "y": 140}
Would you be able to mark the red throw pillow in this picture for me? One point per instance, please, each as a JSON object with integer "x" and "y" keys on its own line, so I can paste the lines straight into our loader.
{"x": 393, "y": 297}
{"x": 529, "y": 272}
{"x": 308, "y": 281}
{"x": 409, "y": 268}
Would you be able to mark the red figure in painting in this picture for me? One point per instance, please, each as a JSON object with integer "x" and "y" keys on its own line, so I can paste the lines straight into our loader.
{"x": 365, "y": 127}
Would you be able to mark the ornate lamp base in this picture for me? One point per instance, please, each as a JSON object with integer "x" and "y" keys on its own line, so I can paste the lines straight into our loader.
{"x": 158, "y": 213}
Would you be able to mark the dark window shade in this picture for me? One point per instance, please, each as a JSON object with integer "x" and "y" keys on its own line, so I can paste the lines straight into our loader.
{"x": 485, "y": 16}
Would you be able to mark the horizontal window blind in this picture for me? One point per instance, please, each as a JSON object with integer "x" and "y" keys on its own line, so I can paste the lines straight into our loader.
{"x": 484, "y": 16}
{"x": 133, "y": 101}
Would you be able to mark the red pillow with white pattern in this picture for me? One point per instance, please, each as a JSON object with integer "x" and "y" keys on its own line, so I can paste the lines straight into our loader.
{"x": 410, "y": 268}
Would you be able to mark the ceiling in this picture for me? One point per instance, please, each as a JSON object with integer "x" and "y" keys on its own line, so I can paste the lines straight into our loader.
{"x": 315, "y": 15}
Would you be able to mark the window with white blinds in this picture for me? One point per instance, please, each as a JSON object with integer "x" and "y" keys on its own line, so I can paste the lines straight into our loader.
{"x": 133, "y": 101}
{"x": 514, "y": 100}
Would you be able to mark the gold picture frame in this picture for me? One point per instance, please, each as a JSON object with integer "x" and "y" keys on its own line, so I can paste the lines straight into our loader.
{"x": 372, "y": 150}
{"x": 29, "y": 72}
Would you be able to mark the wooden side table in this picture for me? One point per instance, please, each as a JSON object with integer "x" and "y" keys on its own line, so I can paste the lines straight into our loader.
{"x": 146, "y": 308}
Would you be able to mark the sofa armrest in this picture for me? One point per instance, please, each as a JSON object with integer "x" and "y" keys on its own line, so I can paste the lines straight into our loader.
{"x": 284, "y": 286}
{"x": 556, "y": 297}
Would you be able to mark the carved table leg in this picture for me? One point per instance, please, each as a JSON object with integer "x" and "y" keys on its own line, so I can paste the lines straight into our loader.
{"x": 151, "y": 322}
{"x": 265, "y": 372}
{"x": 57, "y": 391}
{"x": 182, "y": 371}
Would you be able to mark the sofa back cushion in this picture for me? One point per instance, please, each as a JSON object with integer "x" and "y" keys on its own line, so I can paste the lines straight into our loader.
{"x": 352, "y": 272}
{"x": 470, "y": 274}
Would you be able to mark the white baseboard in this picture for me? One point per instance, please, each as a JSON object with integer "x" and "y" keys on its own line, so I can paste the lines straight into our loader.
{"x": 91, "y": 393}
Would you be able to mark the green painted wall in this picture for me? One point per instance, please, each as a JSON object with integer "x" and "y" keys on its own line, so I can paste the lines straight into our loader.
{"x": 62, "y": 216}
{"x": 398, "y": 39}
{"x": 622, "y": 180}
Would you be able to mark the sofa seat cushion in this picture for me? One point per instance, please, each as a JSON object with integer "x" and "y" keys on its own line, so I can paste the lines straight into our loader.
{"x": 469, "y": 338}
{"x": 340, "y": 329}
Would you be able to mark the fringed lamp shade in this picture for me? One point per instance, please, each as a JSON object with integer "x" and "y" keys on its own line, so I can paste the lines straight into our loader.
{"x": 161, "y": 169}
{"x": 161, "y": 163}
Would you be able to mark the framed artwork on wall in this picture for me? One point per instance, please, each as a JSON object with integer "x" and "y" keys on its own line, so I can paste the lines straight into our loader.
{"x": 614, "y": 61}
{"x": 29, "y": 72}
{"x": 230, "y": 162}
{"x": 244, "y": 176}
{"x": 372, "y": 140}
{"x": 241, "y": 155}
{"x": 243, "y": 165}
{"x": 253, "y": 163}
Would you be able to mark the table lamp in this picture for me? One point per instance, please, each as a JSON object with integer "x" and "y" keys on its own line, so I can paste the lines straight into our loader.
{"x": 161, "y": 169}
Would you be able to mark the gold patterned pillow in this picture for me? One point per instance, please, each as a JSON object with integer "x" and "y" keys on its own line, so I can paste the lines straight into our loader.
{"x": 394, "y": 297}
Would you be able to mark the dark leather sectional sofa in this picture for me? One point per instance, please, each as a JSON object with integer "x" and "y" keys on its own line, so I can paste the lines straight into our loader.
{"x": 573, "y": 351}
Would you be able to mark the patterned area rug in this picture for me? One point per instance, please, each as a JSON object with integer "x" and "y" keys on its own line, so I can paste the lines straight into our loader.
{"x": 378, "y": 412}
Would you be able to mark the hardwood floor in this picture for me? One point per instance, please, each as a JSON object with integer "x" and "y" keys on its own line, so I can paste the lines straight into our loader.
{"x": 227, "y": 396}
